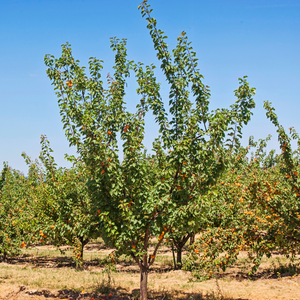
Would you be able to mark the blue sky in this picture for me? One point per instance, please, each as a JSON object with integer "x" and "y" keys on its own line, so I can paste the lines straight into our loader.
{"x": 257, "y": 38}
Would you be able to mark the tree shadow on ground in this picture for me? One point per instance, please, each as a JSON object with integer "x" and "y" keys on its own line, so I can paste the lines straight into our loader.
{"x": 232, "y": 272}
{"x": 268, "y": 273}
{"x": 117, "y": 293}
{"x": 176, "y": 295}
{"x": 63, "y": 262}
{"x": 41, "y": 261}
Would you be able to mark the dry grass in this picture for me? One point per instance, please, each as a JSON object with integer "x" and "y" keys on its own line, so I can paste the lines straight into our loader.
{"x": 46, "y": 273}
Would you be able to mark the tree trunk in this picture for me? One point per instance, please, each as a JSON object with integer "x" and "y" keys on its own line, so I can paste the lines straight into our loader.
{"x": 4, "y": 255}
{"x": 192, "y": 238}
{"x": 174, "y": 262}
{"x": 179, "y": 257}
{"x": 83, "y": 242}
{"x": 81, "y": 249}
{"x": 179, "y": 244}
{"x": 144, "y": 281}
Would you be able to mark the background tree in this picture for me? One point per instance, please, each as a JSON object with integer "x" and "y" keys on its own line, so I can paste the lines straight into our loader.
{"x": 17, "y": 219}
{"x": 258, "y": 204}
{"x": 64, "y": 204}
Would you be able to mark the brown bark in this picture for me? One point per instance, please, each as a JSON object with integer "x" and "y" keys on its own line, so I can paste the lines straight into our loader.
{"x": 174, "y": 262}
{"x": 83, "y": 242}
{"x": 179, "y": 257}
{"x": 179, "y": 244}
{"x": 4, "y": 255}
{"x": 143, "y": 283}
{"x": 192, "y": 238}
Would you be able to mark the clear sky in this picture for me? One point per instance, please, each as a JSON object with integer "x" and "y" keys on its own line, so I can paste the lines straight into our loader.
{"x": 232, "y": 38}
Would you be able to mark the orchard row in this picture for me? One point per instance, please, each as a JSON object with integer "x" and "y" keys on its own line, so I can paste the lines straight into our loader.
{"x": 253, "y": 206}
{"x": 199, "y": 178}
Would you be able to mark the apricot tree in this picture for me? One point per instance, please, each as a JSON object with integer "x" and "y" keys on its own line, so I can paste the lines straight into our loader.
{"x": 144, "y": 196}
{"x": 62, "y": 203}
{"x": 17, "y": 219}
{"x": 257, "y": 203}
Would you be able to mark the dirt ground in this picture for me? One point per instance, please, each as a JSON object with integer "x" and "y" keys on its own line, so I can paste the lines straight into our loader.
{"x": 45, "y": 273}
